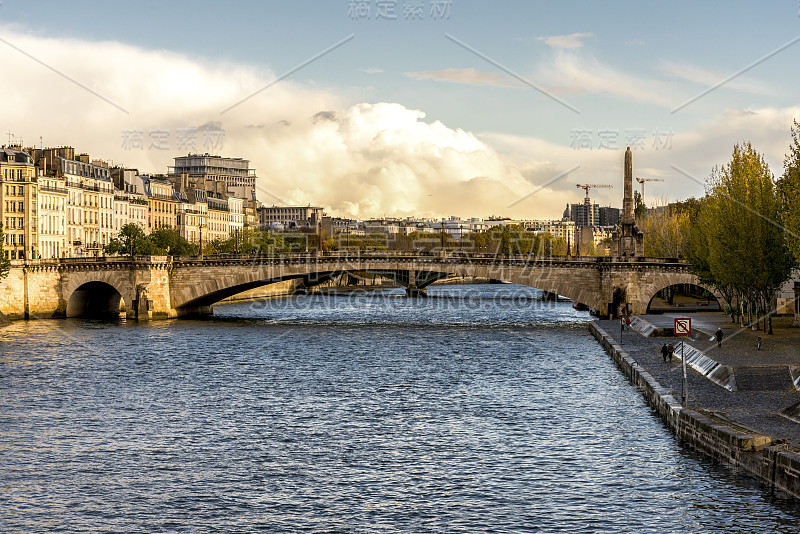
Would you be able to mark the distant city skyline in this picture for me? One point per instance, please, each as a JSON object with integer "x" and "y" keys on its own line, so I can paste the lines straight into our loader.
{"x": 401, "y": 108}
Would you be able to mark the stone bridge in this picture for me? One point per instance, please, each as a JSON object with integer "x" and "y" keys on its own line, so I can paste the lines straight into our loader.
{"x": 154, "y": 287}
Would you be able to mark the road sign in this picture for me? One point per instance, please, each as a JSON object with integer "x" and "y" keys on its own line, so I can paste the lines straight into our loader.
{"x": 683, "y": 326}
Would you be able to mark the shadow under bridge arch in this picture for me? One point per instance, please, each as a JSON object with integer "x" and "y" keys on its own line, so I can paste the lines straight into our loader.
{"x": 415, "y": 283}
{"x": 95, "y": 300}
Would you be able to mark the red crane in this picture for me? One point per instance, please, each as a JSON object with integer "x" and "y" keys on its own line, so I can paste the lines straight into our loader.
{"x": 586, "y": 187}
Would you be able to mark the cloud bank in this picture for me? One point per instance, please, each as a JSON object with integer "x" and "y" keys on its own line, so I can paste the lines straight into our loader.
{"x": 309, "y": 145}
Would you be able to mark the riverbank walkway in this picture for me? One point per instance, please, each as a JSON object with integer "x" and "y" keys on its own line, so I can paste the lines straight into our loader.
{"x": 764, "y": 388}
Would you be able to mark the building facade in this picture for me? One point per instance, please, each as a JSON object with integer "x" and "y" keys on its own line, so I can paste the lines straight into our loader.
{"x": 18, "y": 203}
{"x": 52, "y": 216}
{"x": 202, "y": 167}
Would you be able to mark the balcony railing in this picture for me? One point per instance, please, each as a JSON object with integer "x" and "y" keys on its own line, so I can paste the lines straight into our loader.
{"x": 49, "y": 189}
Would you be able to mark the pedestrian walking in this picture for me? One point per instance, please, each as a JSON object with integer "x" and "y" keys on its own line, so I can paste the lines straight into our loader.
{"x": 758, "y": 343}
{"x": 627, "y": 323}
{"x": 671, "y": 352}
{"x": 664, "y": 352}
{"x": 718, "y": 335}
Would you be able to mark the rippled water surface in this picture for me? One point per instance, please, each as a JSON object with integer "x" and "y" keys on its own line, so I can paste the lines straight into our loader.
{"x": 478, "y": 410}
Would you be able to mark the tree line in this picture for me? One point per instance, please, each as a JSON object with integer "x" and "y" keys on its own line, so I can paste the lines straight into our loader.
{"x": 743, "y": 237}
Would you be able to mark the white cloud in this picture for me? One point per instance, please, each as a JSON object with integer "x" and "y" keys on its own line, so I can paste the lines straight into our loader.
{"x": 306, "y": 145}
{"x": 711, "y": 78}
{"x": 369, "y": 159}
{"x": 568, "y": 72}
{"x": 469, "y": 76}
{"x": 573, "y": 40}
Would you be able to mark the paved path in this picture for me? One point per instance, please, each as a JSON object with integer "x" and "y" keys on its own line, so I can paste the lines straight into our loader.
{"x": 764, "y": 387}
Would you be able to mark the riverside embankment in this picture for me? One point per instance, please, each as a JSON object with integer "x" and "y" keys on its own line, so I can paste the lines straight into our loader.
{"x": 747, "y": 424}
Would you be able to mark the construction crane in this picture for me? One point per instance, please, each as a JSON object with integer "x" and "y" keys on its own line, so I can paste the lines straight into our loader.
{"x": 643, "y": 180}
{"x": 586, "y": 189}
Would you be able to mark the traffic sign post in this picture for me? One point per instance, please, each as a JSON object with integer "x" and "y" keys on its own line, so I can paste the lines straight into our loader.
{"x": 683, "y": 327}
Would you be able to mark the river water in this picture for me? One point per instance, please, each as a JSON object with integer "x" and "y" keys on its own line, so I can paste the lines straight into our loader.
{"x": 480, "y": 409}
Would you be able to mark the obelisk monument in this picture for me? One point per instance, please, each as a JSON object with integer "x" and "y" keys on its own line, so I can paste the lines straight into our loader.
{"x": 627, "y": 240}
{"x": 627, "y": 200}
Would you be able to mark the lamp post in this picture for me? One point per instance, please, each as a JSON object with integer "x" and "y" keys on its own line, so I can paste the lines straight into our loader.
{"x": 200, "y": 226}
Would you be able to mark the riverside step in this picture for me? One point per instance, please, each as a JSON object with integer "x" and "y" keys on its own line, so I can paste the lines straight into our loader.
{"x": 764, "y": 378}
{"x": 722, "y": 375}
{"x": 644, "y": 327}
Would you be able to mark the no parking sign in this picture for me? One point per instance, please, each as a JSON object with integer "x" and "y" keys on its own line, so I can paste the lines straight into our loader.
{"x": 682, "y": 326}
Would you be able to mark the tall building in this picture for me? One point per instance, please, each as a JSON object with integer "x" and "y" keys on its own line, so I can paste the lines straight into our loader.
{"x": 90, "y": 197}
{"x": 202, "y": 167}
{"x": 583, "y": 214}
{"x": 52, "y": 216}
{"x": 18, "y": 203}
{"x": 609, "y": 216}
{"x": 163, "y": 204}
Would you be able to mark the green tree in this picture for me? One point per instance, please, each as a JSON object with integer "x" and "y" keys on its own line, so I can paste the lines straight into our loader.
{"x": 639, "y": 208}
{"x": 789, "y": 188}
{"x": 132, "y": 240}
{"x": 5, "y": 263}
{"x": 169, "y": 241}
{"x": 747, "y": 250}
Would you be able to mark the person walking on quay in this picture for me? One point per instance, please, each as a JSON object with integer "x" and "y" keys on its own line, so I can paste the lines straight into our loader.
{"x": 671, "y": 352}
{"x": 664, "y": 352}
{"x": 718, "y": 335}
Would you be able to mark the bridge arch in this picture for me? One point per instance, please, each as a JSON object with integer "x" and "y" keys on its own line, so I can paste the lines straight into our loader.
{"x": 97, "y": 293}
{"x": 95, "y": 299}
{"x": 711, "y": 303}
{"x": 641, "y": 295}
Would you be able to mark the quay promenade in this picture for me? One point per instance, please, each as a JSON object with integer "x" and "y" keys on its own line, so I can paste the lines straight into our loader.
{"x": 744, "y": 425}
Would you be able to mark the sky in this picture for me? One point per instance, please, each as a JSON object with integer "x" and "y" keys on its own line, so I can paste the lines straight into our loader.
{"x": 403, "y": 108}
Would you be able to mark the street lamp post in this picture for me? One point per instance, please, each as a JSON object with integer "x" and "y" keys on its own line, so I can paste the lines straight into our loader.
{"x": 200, "y": 226}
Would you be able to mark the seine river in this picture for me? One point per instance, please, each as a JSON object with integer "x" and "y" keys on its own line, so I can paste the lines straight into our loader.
{"x": 480, "y": 409}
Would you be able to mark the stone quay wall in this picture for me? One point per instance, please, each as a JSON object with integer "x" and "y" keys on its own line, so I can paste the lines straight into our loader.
{"x": 758, "y": 455}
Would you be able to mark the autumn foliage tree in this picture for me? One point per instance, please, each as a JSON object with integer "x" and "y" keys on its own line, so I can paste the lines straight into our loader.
{"x": 739, "y": 243}
{"x": 789, "y": 189}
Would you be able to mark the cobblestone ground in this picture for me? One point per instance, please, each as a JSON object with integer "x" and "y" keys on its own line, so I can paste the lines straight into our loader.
{"x": 757, "y": 408}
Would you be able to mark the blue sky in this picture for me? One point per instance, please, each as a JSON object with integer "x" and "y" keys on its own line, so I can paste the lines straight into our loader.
{"x": 624, "y": 66}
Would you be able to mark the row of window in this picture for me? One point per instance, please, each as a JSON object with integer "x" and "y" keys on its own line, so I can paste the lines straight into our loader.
{"x": 13, "y": 224}
{"x": 12, "y": 206}
{"x": 10, "y": 174}
{"x": 51, "y": 224}
{"x": 15, "y": 240}
{"x": 14, "y": 190}
{"x": 49, "y": 202}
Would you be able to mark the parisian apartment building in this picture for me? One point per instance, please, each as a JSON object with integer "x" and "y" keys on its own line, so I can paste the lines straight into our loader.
{"x": 56, "y": 203}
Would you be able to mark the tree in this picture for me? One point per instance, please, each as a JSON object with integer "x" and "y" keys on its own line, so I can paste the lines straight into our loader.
{"x": 665, "y": 232}
{"x": 789, "y": 188}
{"x": 5, "y": 263}
{"x": 746, "y": 248}
{"x": 170, "y": 242}
{"x": 133, "y": 241}
{"x": 639, "y": 208}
